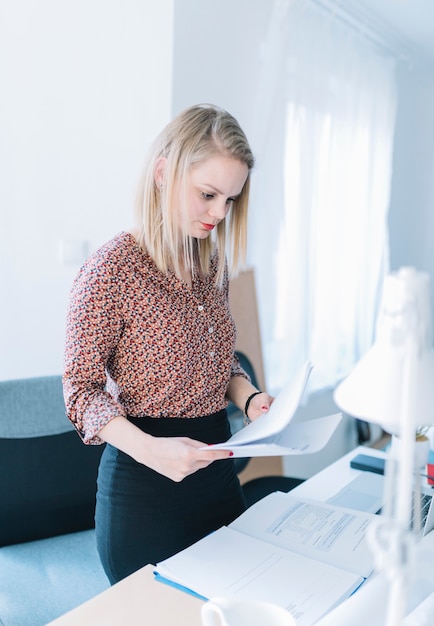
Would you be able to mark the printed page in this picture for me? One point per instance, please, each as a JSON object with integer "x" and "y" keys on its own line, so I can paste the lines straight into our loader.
{"x": 229, "y": 563}
{"x": 300, "y": 438}
{"x": 280, "y": 413}
{"x": 317, "y": 530}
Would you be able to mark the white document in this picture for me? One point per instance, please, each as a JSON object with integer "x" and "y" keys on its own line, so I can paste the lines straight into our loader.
{"x": 272, "y": 434}
{"x": 300, "y": 438}
{"x": 319, "y": 530}
{"x": 259, "y": 557}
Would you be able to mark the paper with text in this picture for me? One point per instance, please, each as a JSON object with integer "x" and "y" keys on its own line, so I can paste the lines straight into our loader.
{"x": 272, "y": 434}
{"x": 280, "y": 412}
{"x": 229, "y": 563}
{"x": 318, "y": 530}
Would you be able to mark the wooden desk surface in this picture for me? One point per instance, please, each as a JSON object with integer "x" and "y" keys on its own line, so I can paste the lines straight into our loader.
{"x": 138, "y": 600}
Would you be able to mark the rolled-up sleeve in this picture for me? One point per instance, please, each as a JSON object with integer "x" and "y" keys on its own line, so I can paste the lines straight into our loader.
{"x": 94, "y": 325}
{"x": 237, "y": 370}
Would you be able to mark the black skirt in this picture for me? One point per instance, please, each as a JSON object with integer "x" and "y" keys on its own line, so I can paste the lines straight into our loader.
{"x": 143, "y": 517}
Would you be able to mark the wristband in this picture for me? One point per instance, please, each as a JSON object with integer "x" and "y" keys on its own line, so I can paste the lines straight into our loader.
{"x": 247, "y": 420}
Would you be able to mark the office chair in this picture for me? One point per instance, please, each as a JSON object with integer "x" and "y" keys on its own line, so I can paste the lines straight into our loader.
{"x": 256, "y": 488}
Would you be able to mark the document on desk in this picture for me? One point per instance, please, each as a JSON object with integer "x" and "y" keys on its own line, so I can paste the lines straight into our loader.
{"x": 318, "y": 530}
{"x": 303, "y": 555}
{"x": 272, "y": 434}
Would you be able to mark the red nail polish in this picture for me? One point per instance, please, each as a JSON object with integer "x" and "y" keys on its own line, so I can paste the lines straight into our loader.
{"x": 231, "y": 453}
{"x": 264, "y": 408}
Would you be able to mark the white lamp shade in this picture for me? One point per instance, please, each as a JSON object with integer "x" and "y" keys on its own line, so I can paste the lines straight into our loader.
{"x": 373, "y": 390}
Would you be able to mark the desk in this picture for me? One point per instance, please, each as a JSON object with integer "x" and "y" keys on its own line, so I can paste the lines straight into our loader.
{"x": 139, "y": 600}
{"x": 136, "y": 601}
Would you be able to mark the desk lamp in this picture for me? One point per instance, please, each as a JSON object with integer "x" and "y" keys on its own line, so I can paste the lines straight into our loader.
{"x": 393, "y": 385}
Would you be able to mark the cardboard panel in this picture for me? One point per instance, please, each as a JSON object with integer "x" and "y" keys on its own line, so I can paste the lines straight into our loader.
{"x": 243, "y": 302}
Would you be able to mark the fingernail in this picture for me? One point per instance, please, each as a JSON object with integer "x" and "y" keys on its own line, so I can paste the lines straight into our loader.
{"x": 264, "y": 408}
{"x": 231, "y": 453}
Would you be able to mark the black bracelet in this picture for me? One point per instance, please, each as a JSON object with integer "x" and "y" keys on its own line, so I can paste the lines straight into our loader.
{"x": 249, "y": 399}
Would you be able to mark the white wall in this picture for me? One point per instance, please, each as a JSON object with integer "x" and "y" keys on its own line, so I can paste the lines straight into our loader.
{"x": 85, "y": 86}
{"x": 411, "y": 217}
{"x": 217, "y": 52}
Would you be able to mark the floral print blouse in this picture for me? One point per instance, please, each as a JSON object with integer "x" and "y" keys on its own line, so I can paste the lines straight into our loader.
{"x": 142, "y": 342}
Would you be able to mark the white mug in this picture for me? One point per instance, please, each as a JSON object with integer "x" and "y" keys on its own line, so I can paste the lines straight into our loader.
{"x": 233, "y": 612}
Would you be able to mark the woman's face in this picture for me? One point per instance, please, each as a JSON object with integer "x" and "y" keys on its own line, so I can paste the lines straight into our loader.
{"x": 212, "y": 186}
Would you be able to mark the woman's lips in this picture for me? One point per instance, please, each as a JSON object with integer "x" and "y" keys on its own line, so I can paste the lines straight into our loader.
{"x": 208, "y": 226}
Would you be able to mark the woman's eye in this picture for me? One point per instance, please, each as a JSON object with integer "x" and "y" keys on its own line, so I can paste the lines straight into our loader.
{"x": 230, "y": 200}
{"x": 207, "y": 196}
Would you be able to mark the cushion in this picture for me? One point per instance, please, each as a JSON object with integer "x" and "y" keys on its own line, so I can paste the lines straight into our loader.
{"x": 41, "y": 580}
{"x": 47, "y": 486}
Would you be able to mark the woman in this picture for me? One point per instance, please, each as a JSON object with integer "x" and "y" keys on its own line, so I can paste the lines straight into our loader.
{"x": 149, "y": 357}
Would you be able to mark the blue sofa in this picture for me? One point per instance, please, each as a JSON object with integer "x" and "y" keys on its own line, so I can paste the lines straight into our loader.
{"x": 48, "y": 558}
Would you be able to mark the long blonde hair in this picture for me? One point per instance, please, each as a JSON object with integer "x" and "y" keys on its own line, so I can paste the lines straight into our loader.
{"x": 195, "y": 135}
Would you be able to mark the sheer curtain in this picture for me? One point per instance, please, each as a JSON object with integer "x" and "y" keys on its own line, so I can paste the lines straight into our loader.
{"x": 323, "y": 136}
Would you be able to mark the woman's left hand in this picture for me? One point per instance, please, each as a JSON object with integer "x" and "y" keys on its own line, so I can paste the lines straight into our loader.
{"x": 259, "y": 405}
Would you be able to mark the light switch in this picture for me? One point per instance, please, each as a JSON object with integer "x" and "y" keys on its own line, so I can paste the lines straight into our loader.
{"x": 72, "y": 252}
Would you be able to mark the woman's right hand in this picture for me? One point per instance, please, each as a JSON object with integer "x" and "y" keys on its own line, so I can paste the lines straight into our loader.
{"x": 178, "y": 457}
{"x": 173, "y": 457}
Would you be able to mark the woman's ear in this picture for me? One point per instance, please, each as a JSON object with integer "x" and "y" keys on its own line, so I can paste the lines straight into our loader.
{"x": 159, "y": 171}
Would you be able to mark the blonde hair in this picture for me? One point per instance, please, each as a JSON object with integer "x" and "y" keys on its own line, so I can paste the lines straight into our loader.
{"x": 195, "y": 135}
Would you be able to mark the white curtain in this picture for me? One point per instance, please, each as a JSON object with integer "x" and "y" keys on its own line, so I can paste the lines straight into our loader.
{"x": 323, "y": 136}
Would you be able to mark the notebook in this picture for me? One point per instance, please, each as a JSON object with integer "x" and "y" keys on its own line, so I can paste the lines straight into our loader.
{"x": 365, "y": 493}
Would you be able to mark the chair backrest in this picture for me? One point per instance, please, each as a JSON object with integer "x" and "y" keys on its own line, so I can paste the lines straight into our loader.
{"x": 47, "y": 476}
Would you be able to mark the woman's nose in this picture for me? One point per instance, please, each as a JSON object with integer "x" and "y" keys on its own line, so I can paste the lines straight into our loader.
{"x": 219, "y": 209}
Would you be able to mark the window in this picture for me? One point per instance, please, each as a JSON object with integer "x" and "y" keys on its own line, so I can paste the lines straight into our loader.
{"x": 318, "y": 237}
